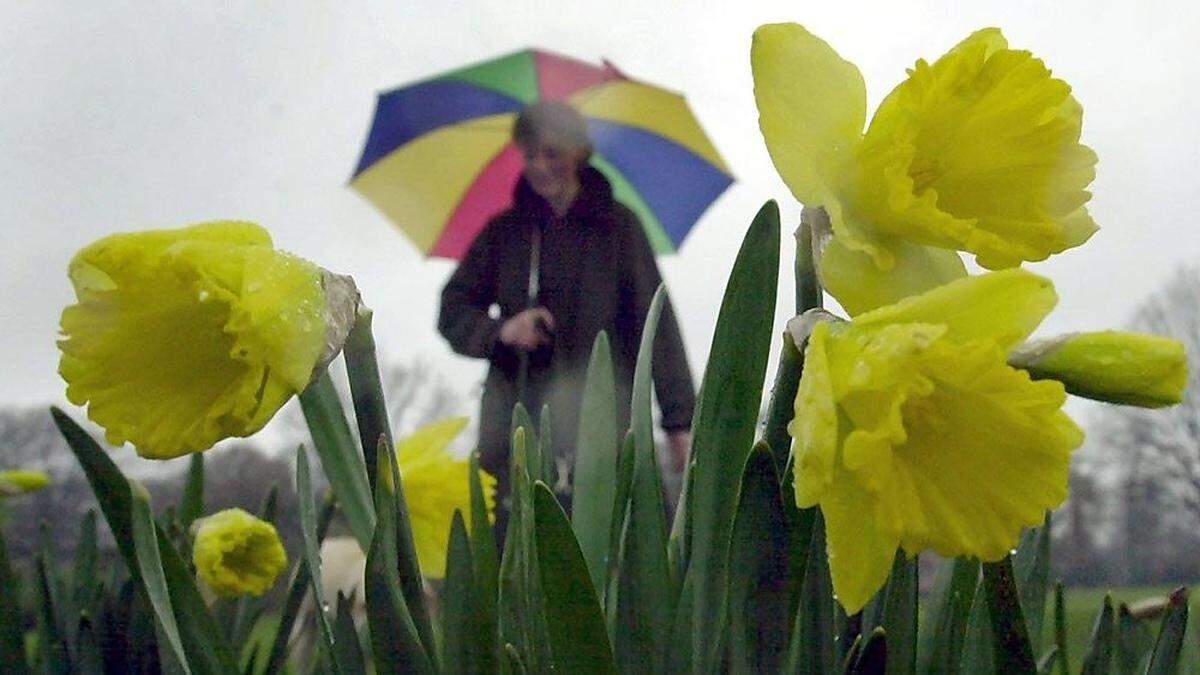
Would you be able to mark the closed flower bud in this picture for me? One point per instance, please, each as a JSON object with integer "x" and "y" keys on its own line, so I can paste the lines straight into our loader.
{"x": 1113, "y": 366}
{"x": 19, "y": 481}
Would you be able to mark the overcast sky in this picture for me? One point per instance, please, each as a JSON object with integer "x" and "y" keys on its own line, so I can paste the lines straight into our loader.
{"x": 122, "y": 116}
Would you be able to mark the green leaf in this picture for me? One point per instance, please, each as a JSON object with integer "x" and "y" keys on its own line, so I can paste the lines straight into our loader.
{"x": 624, "y": 483}
{"x": 759, "y": 593}
{"x": 977, "y": 650}
{"x": 1031, "y": 565}
{"x": 516, "y": 665}
{"x": 812, "y": 648}
{"x": 340, "y": 458}
{"x": 596, "y": 463}
{"x": 899, "y": 619}
{"x": 1133, "y": 643}
{"x": 366, "y": 393}
{"x": 458, "y": 632}
{"x": 575, "y": 622}
{"x": 206, "y": 649}
{"x": 312, "y": 556}
{"x": 412, "y": 582}
{"x": 486, "y": 570}
{"x": 724, "y": 425}
{"x": 88, "y": 657}
{"x": 647, "y": 593}
{"x": 1049, "y": 660}
{"x": 1098, "y": 657}
{"x": 1013, "y": 652}
{"x": 86, "y": 585}
{"x": 191, "y": 505}
{"x": 12, "y": 640}
{"x": 395, "y": 640}
{"x": 1060, "y": 629}
{"x": 942, "y": 645}
{"x": 347, "y": 648}
{"x": 297, "y": 590}
{"x": 522, "y": 620}
{"x": 521, "y": 419}
{"x": 680, "y": 538}
{"x": 1165, "y": 658}
{"x": 145, "y": 541}
{"x": 52, "y": 650}
{"x": 546, "y": 450}
{"x": 872, "y": 655}
{"x": 108, "y": 485}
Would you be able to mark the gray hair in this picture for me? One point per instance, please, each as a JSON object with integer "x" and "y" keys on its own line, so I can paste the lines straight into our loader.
{"x": 553, "y": 118}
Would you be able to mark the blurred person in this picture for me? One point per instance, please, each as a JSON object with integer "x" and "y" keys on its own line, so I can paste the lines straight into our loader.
{"x": 538, "y": 284}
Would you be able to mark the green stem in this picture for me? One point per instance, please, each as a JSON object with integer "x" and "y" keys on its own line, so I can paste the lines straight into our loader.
{"x": 781, "y": 409}
{"x": 1013, "y": 652}
{"x": 808, "y": 286}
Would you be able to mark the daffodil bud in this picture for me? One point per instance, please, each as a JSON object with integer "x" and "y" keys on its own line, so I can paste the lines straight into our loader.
{"x": 1113, "y": 366}
{"x": 181, "y": 338}
{"x": 236, "y": 553}
{"x": 19, "y": 481}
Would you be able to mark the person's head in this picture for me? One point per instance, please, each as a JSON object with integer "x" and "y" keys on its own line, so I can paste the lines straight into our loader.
{"x": 553, "y": 138}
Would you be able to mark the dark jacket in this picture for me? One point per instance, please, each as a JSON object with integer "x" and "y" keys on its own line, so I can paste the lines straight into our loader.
{"x": 597, "y": 272}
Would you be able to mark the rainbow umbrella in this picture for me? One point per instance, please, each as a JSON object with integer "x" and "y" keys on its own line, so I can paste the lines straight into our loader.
{"x": 439, "y": 161}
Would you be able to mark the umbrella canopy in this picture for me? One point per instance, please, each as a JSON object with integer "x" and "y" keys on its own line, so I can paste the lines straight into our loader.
{"x": 439, "y": 161}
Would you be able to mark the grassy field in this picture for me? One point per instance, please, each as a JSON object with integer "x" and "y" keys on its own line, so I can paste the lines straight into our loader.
{"x": 1083, "y": 605}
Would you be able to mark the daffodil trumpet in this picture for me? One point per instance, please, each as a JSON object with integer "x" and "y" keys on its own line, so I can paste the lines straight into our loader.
{"x": 181, "y": 338}
{"x": 236, "y": 553}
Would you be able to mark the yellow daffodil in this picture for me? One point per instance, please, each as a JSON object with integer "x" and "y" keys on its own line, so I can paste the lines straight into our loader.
{"x": 19, "y": 481}
{"x": 1112, "y": 366}
{"x": 237, "y": 554}
{"x": 180, "y": 338}
{"x": 435, "y": 484}
{"x": 977, "y": 152}
{"x": 912, "y": 431}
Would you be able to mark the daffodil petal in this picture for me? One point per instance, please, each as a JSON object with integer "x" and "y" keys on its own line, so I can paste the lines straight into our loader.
{"x": 987, "y": 454}
{"x": 1004, "y": 307}
{"x": 861, "y": 549}
{"x": 814, "y": 428}
{"x": 436, "y": 484}
{"x": 812, "y": 107}
{"x": 860, "y": 285}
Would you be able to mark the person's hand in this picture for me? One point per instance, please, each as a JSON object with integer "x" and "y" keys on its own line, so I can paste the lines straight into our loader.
{"x": 680, "y": 445}
{"x": 528, "y": 330}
